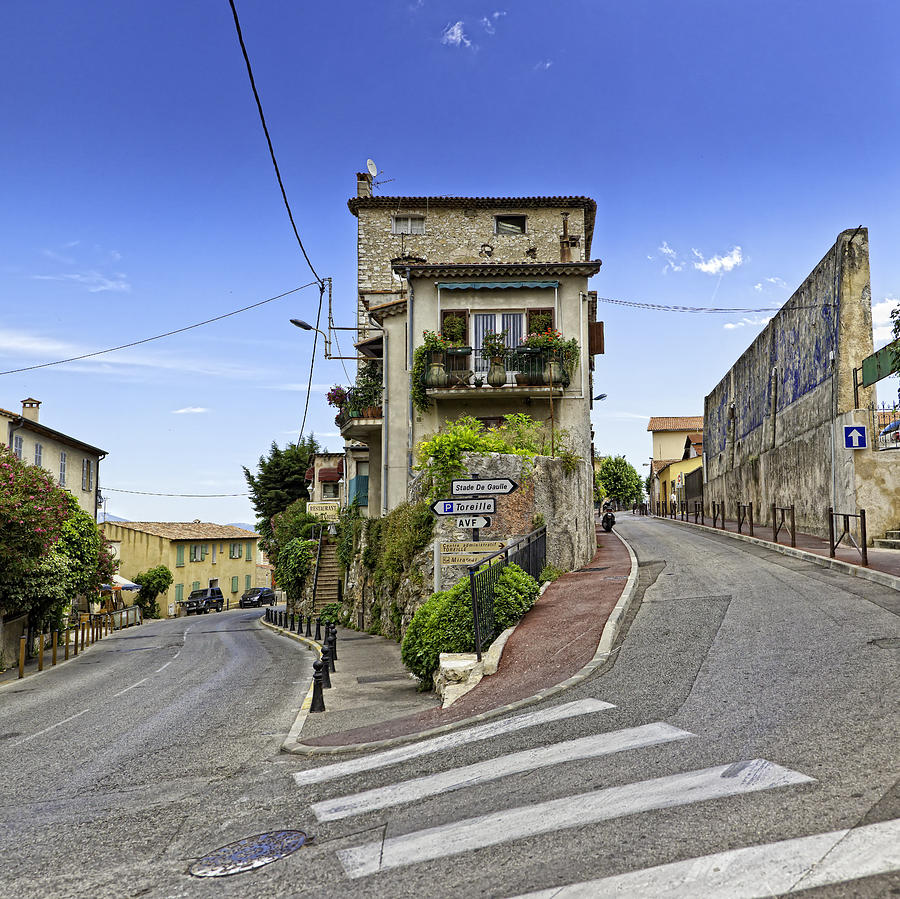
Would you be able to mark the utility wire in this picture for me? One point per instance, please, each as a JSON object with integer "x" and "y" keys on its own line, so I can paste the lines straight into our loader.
{"x": 126, "y": 346}
{"x": 265, "y": 128}
{"x": 703, "y": 309}
{"x": 312, "y": 360}
{"x": 105, "y": 489}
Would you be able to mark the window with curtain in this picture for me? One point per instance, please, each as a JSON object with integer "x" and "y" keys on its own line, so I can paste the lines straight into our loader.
{"x": 482, "y": 322}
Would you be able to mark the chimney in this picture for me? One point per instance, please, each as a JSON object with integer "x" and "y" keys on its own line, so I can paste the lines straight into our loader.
{"x": 565, "y": 252}
{"x": 31, "y": 409}
{"x": 363, "y": 184}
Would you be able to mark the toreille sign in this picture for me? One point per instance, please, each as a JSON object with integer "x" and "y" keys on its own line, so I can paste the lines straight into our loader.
{"x": 480, "y": 486}
{"x": 464, "y": 506}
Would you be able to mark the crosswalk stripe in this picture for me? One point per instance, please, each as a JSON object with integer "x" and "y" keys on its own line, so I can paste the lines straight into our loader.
{"x": 756, "y": 871}
{"x": 569, "y": 811}
{"x": 493, "y": 769}
{"x": 450, "y": 740}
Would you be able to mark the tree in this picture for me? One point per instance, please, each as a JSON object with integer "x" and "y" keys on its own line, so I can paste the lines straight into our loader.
{"x": 153, "y": 581}
{"x": 620, "y": 480}
{"x": 280, "y": 479}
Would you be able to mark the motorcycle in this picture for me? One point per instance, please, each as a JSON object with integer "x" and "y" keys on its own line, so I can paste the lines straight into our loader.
{"x": 608, "y": 520}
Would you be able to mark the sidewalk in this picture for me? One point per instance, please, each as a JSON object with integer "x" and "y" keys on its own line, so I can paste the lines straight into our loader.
{"x": 883, "y": 567}
{"x": 374, "y": 699}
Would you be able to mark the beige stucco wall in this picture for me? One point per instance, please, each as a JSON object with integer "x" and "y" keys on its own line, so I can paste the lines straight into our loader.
{"x": 456, "y": 236}
{"x": 140, "y": 551}
{"x": 669, "y": 444}
{"x": 50, "y": 459}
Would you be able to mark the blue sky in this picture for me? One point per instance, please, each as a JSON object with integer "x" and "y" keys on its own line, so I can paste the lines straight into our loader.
{"x": 725, "y": 144}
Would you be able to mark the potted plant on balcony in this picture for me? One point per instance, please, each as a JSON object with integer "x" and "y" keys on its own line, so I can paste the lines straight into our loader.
{"x": 559, "y": 355}
{"x": 436, "y": 345}
{"x": 337, "y": 396}
{"x": 368, "y": 389}
{"x": 493, "y": 347}
{"x": 454, "y": 330}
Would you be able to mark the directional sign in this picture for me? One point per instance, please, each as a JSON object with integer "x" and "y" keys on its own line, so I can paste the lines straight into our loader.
{"x": 472, "y": 546}
{"x": 855, "y": 437}
{"x": 480, "y": 486}
{"x": 464, "y": 506}
{"x": 461, "y": 558}
{"x": 473, "y": 521}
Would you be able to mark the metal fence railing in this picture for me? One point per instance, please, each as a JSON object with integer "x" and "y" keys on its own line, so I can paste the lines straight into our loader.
{"x": 885, "y": 427}
{"x": 858, "y": 544}
{"x": 528, "y": 552}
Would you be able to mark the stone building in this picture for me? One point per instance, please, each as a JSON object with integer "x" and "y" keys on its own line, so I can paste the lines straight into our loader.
{"x": 501, "y": 264}
{"x": 73, "y": 463}
{"x": 774, "y": 425}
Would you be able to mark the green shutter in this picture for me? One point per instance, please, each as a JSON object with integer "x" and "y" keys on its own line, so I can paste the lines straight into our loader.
{"x": 179, "y": 556}
{"x": 247, "y": 580}
{"x": 234, "y": 584}
{"x": 195, "y": 585}
{"x": 179, "y": 589}
{"x": 249, "y": 551}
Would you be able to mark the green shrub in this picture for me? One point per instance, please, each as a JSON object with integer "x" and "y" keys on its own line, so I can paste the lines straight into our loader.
{"x": 349, "y": 528}
{"x": 406, "y": 530}
{"x": 550, "y": 573}
{"x": 514, "y": 595}
{"x": 331, "y": 614}
{"x": 372, "y": 551}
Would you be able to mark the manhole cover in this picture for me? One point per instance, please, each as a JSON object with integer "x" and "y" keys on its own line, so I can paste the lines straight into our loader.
{"x": 249, "y": 853}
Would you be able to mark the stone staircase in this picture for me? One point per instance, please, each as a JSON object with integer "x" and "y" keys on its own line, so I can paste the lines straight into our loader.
{"x": 330, "y": 582}
{"x": 890, "y": 540}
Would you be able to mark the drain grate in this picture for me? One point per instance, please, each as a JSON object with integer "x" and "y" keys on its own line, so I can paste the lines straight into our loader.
{"x": 249, "y": 853}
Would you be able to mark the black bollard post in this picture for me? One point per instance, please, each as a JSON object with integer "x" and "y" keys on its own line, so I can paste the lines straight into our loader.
{"x": 334, "y": 653}
{"x": 308, "y": 626}
{"x": 329, "y": 642}
{"x": 326, "y": 667}
{"x": 318, "y": 636}
{"x": 318, "y": 698}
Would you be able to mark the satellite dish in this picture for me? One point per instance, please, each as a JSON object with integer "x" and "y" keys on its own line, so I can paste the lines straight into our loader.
{"x": 373, "y": 169}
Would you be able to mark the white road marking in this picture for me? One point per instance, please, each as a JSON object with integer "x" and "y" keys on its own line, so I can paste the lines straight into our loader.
{"x": 494, "y": 769}
{"x": 142, "y": 680}
{"x": 569, "y": 811}
{"x": 52, "y": 726}
{"x": 448, "y": 741}
{"x": 772, "y": 869}
{"x": 163, "y": 667}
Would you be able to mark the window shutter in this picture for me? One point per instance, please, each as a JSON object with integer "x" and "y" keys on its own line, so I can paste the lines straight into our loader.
{"x": 195, "y": 585}
{"x": 249, "y": 551}
{"x": 179, "y": 556}
{"x": 234, "y": 584}
{"x": 531, "y": 313}
{"x": 179, "y": 592}
{"x": 247, "y": 582}
{"x": 596, "y": 342}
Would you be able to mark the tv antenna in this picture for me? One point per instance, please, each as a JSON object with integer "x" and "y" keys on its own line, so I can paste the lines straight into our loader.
{"x": 373, "y": 171}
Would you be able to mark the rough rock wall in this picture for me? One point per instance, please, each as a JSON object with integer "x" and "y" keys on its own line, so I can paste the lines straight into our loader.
{"x": 768, "y": 423}
{"x": 564, "y": 500}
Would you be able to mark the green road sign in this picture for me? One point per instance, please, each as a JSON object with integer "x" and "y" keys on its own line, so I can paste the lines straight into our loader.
{"x": 881, "y": 364}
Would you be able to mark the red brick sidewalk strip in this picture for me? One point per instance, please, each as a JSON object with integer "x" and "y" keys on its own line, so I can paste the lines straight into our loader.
{"x": 555, "y": 641}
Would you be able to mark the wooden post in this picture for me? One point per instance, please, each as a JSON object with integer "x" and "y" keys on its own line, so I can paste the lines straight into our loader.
{"x": 55, "y": 641}
{"x": 22, "y": 641}
{"x": 66, "y": 650}
{"x": 41, "y": 651}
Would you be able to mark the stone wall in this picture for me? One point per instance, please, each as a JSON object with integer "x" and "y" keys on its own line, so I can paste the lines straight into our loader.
{"x": 773, "y": 425}
{"x": 455, "y": 235}
{"x": 564, "y": 500}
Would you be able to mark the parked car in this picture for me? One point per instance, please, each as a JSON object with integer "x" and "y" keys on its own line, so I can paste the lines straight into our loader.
{"x": 257, "y": 596}
{"x": 203, "y": 600}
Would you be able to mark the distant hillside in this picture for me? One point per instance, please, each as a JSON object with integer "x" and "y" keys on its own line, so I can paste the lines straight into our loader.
{"x": 102, "y": 517}
{"x": 244, "y": 525}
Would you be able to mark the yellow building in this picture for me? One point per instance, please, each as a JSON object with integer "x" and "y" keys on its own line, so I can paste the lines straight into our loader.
{"x": 673, "y": 439}
{"x": 199, "y": 554}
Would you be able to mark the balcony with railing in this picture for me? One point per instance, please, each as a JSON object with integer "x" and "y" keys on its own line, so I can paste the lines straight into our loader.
{"x": 361, "y": 415}
{"x": 516, "y": 372}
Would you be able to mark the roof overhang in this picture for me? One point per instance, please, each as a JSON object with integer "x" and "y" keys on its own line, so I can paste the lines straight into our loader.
{"x": 531, "y": 271}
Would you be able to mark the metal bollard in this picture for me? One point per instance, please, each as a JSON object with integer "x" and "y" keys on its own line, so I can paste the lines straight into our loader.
{"x": 329, "y": 642}
{"x": 318, "y": 636}
{"x": 308, "y": 626}
{"x": 333, "y": 638}
{"x": 318, "y": 697}
{"x": 326, "y": 667}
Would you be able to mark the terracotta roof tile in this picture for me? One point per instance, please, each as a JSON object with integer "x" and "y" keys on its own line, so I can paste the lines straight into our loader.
{"x": 676, "y": 423}
{"x": 186, "y": 530}
{"x": 660, "y": 464}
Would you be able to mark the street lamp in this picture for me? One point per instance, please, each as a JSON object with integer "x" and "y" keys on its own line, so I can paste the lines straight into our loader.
{"x": 600, "y": 396}
{"x": 308, "y": 327}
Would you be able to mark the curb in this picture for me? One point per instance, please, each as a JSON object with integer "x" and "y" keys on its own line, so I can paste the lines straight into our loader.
{"x": 870, "y": 574}
{"x": 601, "y": 656}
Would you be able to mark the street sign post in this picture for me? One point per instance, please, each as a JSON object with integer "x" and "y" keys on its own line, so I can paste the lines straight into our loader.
{"x": 855, "y": 437}
{"x": 482, "y": 486}
{"x": 473, "y": 521}
{"x": 464, "y": 506}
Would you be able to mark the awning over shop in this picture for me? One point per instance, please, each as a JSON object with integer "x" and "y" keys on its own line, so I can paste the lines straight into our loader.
{"x": 494, "y": 285}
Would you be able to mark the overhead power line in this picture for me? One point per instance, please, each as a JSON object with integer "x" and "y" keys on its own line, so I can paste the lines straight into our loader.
{"x": 715, "y": 310}
{"x": 265, "y": 128}
{"x": 126, "y": 346}
{"x": 151, "y": 493}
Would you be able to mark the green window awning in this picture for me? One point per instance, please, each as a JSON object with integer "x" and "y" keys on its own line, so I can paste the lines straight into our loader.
{"x": 494, "y": 285}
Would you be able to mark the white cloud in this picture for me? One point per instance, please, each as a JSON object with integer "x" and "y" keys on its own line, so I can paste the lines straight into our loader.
{"x": 718, "y": 264}
{"x": 778, "y": 282}
{"x": 93, "y": 280}
{"x": 190, "y": 410}
{"x": 543, "y": 65}
{"x": 758, "y": 286}
{"x": 454, "y": 36}
{"x": 489, "y": 23}
{"x": 58, "y": 257}
{"x": 745, "y": 322}
{"x": 882, "y": 326}
{"x": 673, "y": 263}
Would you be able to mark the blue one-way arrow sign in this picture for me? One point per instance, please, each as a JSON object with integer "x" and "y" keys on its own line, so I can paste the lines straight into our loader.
{"x": 855, "y": 437}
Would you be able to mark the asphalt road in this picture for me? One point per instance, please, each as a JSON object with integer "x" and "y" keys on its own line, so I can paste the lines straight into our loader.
{"x": 752, "y": 703}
